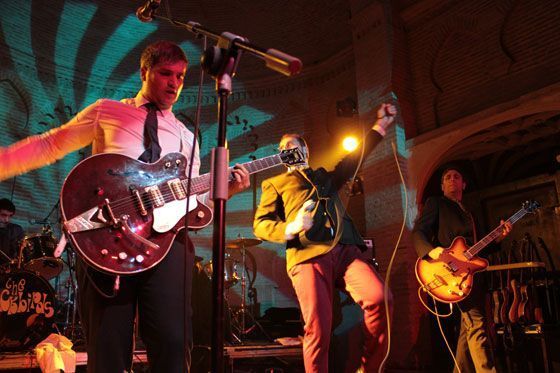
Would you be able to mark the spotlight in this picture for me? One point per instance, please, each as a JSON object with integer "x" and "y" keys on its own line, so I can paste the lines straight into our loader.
{"x": 350, "y": 143}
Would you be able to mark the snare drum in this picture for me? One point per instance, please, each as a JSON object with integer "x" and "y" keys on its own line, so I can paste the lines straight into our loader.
{"x": 38, "y": 255}
{"x": 230, "y": 271}
{"x": 26, "y": 310}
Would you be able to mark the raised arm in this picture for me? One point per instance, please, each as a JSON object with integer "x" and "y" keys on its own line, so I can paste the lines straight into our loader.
{"x": 41, "y": 150}
{"x": 385, "y": 117}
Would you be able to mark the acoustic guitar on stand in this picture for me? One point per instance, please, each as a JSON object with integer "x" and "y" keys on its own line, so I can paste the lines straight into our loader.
{"x": 122, "y": 215}
{"x": 449, "y": 278}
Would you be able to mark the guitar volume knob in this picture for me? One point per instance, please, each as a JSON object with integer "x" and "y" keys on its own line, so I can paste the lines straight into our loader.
{"x": 200, "y": 214}
{"x": 139, "y": 258}
{"x": 122, "y": 255}
{"x": 104, "y": 252}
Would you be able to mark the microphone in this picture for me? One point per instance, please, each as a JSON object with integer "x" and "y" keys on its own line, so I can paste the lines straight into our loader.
{"x": 146, "y": 12}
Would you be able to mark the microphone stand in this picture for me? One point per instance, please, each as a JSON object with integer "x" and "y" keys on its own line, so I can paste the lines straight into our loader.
{"x": 221, "y": 62}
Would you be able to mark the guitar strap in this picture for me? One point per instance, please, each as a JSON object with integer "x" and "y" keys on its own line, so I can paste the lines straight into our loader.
{"x": 336, "y": 232}
{"x": 471, "y": 217}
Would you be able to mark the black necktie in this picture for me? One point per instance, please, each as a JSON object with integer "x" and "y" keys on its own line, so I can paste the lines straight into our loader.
{"x": 151, "y": 142}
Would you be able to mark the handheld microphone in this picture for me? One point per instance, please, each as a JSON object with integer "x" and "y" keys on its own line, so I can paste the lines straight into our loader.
{"x": 146, "y": 12}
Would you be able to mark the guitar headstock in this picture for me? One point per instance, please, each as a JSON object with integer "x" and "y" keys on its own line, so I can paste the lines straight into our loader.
{"x": 292, "y": 157}
{"x": 531, "y": 206}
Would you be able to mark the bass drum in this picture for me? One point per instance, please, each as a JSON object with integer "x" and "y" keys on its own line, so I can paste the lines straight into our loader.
{"x": 26, "y": 310}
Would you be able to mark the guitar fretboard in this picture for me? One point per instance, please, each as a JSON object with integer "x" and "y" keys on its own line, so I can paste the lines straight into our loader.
{"x": 201, "y": 184}
{"x": 475, "y": 249}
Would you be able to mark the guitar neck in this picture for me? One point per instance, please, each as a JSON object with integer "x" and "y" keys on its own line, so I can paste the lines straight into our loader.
{"x": 490, "y": 237}
{"x": 201, "y": 184}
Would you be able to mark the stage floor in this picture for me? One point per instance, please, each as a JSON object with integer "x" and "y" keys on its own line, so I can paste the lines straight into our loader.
{"x": 234, "y": 356}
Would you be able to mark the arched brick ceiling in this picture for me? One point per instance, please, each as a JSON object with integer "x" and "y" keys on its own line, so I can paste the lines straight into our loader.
{"x": 312, "y": 30}
{"x": 512, "y": 150}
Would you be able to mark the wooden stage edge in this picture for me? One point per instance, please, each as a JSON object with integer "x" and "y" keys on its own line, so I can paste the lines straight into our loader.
{"x": 27, "y": 360}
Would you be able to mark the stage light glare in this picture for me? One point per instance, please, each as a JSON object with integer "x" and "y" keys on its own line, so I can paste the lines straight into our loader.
{"x": 350, "y": 143}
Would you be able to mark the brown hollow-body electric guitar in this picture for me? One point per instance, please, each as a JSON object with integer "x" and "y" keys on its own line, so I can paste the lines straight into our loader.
{"x": 122, "y": 215}
{"x": 449, "y": 278}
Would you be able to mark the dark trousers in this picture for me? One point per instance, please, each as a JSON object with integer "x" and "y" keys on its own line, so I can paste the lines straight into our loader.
{"x": 163, "y": 303}
{"x": 474, "y": 350}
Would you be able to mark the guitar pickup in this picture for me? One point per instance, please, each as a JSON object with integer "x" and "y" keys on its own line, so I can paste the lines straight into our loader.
{"x": 451, "y": 267}
{"x": 177, "y": 189}
{"x": 155, "y": 196}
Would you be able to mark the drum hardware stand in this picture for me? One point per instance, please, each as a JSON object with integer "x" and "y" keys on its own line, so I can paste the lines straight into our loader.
{"x": 5, "y": 256}
{"x": 243, "y": 309}
{"x": 72, "y": 291}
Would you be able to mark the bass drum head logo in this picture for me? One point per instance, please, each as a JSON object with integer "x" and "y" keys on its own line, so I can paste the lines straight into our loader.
{"x": 26, "y": 310}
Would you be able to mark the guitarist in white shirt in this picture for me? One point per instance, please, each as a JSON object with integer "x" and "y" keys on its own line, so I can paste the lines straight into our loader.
{"x": 440, "y": 221}
{"x": 158, "y": 293}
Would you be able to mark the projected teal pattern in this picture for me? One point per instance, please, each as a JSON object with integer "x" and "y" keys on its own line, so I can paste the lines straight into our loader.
{"x": 59, "y": 57}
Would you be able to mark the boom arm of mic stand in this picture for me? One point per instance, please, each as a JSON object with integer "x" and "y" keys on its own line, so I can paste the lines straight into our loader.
{"x": 274, "y": 59}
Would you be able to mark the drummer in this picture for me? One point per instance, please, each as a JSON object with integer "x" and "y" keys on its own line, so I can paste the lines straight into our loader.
{"x": 10, "y": 234}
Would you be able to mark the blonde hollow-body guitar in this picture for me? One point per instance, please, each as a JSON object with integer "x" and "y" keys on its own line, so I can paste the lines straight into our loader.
{"x": 449, "y": 278}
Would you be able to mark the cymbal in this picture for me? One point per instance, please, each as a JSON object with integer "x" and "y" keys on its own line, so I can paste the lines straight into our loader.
{"x": 242, "y": 242}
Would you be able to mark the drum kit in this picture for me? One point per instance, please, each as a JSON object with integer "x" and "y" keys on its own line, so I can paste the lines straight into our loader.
{"x": 239, "y": 267}
{"x": 28, "y": 302}
{"x": 30, "y": 309}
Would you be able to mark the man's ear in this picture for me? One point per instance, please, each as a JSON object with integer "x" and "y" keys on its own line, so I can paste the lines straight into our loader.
{"x": 143, "y": 73}
{"x": 305, "y": 152}
{"x": 464, "y": 186}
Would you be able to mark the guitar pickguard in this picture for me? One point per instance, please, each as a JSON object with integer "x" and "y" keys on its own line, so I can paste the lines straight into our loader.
{"x": 167, "y": 216}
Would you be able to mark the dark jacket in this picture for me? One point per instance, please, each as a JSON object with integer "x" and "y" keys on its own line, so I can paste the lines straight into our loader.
{"x": 439, "y": 222}
{"x": 10, "y": 238}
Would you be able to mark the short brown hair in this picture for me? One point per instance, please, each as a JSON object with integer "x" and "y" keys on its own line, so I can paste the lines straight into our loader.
{"x": 6, "y": 204}
{"x": 454, "y": 167}
{"x": 162, "y": 51}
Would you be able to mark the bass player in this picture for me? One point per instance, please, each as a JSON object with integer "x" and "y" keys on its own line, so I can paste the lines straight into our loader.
{"x": 440, "y": 221}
